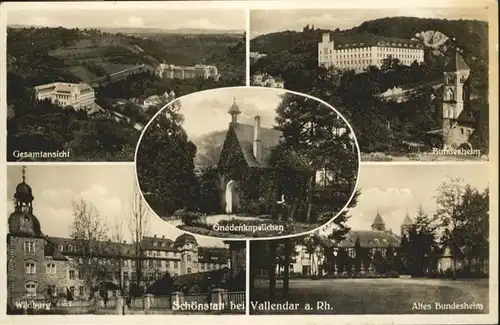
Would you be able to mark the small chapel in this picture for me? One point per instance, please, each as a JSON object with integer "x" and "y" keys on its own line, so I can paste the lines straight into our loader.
{"x": 249, "y": 179}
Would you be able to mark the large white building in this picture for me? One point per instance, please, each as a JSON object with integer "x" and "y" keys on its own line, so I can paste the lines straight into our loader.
{"x": 357, "y": 52}
{"x": 79, "y": 96}
{"x": 170, "y": 71}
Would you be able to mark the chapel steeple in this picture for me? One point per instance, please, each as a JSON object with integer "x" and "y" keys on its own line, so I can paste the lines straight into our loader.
{"x": 234, "y": 111}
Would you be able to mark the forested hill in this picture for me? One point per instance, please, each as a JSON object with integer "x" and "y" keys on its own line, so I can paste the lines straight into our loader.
{"x": 471, "y": 35}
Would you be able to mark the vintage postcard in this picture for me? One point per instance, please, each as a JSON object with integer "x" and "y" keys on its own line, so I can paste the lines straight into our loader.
{"x": 222, "y": 162}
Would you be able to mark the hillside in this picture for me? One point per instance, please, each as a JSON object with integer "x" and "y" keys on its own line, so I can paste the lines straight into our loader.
{"x": 471, "y": 35}
{"x": 208, "y": 149}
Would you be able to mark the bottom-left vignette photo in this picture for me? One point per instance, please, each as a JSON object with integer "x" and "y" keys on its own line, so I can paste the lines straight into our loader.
{"x": 81, "y": 240}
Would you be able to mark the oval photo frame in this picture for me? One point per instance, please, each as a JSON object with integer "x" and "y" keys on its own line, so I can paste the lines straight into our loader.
{"x": 248, "y": 163}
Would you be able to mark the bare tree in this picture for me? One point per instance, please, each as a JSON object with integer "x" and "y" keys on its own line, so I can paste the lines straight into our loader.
{"x": 89, "y": 231}
{"x": 138, "y": 226}
{"x": 119, "y": 254}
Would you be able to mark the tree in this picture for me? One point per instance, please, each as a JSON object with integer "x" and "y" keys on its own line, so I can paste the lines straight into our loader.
{"x": 312, "y": 244}
{"x": 168, "y": 181}
{"x": 449, "y": 199}
{"x": 320, "y": 138}
{"x": 474, "y": 229}
{"x": 138, "y": 226}
{"x": 421, "y": 243}
{"x": 89, "y": 231}
{"x": 359, "y": 256}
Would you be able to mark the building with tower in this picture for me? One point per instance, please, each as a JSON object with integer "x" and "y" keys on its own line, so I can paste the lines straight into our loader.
{"x": 40, "y": 267}
{"x": 378, "y": 240}
{"x": 457, "y": 117}
{"x": 246, "y": 165}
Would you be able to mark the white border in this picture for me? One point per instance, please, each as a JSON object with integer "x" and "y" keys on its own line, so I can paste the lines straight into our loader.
{"x": 264, "y": 89}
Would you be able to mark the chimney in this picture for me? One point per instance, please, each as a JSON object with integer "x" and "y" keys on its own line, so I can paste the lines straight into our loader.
{"x": 124, "y": 241}
{"x": 154, "y": 236}
{"x": 326, "y": 37}
{"x": 163, "y": 237}
{"x": 257, "y": 143}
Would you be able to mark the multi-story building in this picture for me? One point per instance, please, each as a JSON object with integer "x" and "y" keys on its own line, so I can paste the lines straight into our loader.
{"x": 170, "y": 71}
{"x": 79, "y": 96}
{"x": 358, "y": 52}
{"x": 40, "y": 266}
{"x": 378, "y": 239}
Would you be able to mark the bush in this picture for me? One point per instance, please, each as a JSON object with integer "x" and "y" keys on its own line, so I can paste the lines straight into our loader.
{"x": 392, "y": 274}
{"x": 251, "y": 208}
{"x": 188, "y": 218}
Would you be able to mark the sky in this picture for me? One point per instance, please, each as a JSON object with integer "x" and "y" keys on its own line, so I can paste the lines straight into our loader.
{"x": 131, "y": 18}
{"x": 108, "y": 187}
{"x": 396, "y": 189}
{"x": 270, "y": 21}
{"x": 206, "y": 112}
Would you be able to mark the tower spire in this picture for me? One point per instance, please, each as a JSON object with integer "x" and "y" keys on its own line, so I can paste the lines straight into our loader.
{"x": 23, "y": 173}
{"x": 234, "y": 111}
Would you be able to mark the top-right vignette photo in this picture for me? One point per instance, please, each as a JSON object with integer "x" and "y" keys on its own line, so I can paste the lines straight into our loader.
{"x": 413, "y": 84}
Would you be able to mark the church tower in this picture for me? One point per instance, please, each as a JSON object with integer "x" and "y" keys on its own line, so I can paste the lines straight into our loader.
{"x": 406, "y": 225}
{"x": 455, "y": 96}
{"x": 378, "y": 224}
{"x": 25, "y": 247}
{"x": 234, "y": 111}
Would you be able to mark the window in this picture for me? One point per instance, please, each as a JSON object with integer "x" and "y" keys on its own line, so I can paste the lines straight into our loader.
{"x": 81, "y": 291}
{"x": 30, "y": 268}
{"x": 72, "y": 275}
{"x": 29, "y": 246}
{"x": 202, "y": 266}
{"x": 189, "y": 258}
{"x": 51, "y": 290}
{"x": 51, "y": 268}
{"x": 188, "y": 270}
{"x": 176, "y": 264}
{"x": 30, "y": 289}
{"x": 209, "y": 266}
{"x": 195, "y": 263}
{"x": 155, "y": 244}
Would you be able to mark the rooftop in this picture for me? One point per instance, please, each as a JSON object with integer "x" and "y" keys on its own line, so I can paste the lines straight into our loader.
{"x": 367, "y": 40}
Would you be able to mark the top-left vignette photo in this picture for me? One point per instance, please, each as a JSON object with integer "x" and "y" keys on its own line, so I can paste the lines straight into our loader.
{"x": 83, "y": 82}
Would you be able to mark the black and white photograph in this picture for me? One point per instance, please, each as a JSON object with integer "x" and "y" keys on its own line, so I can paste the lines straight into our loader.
{"x": 247, "y": 162}
{"x": 413, "y": 83}
{"x": 416, "y": 242}
{"x": 86, "y": 243}
{"x": 82, "y": 83}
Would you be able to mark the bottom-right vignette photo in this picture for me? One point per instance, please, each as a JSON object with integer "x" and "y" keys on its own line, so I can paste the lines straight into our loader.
{"x": 415, "y": 241}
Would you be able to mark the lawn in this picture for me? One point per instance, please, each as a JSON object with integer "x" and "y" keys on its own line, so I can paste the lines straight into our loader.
{"x": 376, "y": 296}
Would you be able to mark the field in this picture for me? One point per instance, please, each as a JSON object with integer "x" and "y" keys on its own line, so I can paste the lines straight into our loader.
{"x": 377, "y": 296}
